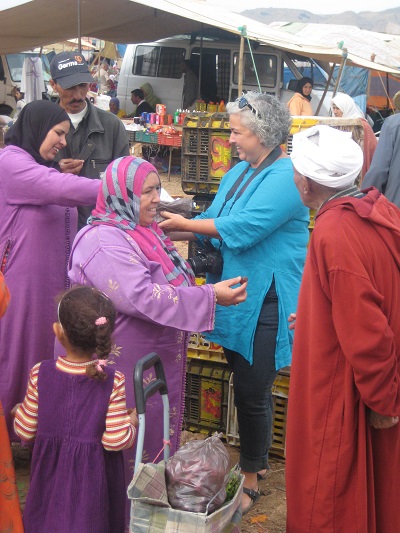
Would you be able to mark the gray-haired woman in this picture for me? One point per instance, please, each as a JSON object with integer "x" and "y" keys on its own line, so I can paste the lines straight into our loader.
{"x": 259, "y": 224}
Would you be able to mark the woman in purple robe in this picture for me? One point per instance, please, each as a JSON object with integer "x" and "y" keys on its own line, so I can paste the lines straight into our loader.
{"x": 124, "y": 253}
{"x": 37, "y": 221}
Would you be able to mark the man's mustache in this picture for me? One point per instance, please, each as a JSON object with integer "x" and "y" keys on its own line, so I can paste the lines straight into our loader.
{"x": 74, "y": 101}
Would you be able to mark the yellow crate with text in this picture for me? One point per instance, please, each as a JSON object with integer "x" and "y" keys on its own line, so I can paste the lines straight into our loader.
{"x": 206, "y": 400}
{"x": 206, "y": 152}
{"x": 280, "y": 394}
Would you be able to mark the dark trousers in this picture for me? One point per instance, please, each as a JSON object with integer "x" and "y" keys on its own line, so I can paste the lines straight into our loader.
{"x": 252, "y": 388}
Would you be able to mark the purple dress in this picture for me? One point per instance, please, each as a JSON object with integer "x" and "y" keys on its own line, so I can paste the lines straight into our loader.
{"x": 153, "y": 316}
{"x": 73, "y": 479}
{"x": 37, "y": 226}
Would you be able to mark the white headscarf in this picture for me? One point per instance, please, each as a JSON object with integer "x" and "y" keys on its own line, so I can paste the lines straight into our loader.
{"x": 347, "y": 105}
{"x": 327, "y": 155}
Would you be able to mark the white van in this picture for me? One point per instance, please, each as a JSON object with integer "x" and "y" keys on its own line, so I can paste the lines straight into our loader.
{"x": 10, "y": 76}
{"x": 159, "y": 63}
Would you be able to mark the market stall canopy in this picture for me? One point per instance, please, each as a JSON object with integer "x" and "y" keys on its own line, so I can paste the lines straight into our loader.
{"x": 383, "y": 47}
{"x": 40, "y": 22}
{"x": 70, "y": 45}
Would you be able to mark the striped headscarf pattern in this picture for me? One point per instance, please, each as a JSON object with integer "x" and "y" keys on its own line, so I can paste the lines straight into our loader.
{"x": 118, "y": 204}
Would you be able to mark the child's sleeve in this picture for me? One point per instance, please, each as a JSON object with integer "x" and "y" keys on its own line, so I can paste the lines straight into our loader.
{"x": 120, "y": 433}
{"x": 26, "y": 417}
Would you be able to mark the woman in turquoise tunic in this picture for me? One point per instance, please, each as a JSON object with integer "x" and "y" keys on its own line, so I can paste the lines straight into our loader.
{"x": 259, "y": 224}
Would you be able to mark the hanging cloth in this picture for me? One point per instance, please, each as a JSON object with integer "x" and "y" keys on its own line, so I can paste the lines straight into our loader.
{"x": 32, "y": 81}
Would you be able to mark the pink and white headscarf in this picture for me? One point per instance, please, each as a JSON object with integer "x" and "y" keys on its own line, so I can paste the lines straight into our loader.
{"x": 118, "y": 204}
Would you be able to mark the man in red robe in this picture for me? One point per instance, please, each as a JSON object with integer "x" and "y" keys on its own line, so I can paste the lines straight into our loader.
{"x": 343, "y": 438}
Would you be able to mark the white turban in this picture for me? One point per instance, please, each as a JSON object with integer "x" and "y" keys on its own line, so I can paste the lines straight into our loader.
{"x": 327, "y": 155}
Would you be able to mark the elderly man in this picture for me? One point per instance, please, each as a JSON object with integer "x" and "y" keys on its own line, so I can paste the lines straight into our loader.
{"x": 343, "y": 439}
{"x": 96, "y": 137}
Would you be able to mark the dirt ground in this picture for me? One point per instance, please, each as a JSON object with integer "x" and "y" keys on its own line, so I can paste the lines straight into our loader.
{"x": 268, "y": 516}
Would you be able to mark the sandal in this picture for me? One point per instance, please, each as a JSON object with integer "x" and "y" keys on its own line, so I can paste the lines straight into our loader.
{"x": 262, "y": 476}
{"x": 254, "y": 497}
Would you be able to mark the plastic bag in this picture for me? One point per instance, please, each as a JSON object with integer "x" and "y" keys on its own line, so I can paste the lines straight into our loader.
{"x": 197, "y": 474}
{"x": 181, "y": 206}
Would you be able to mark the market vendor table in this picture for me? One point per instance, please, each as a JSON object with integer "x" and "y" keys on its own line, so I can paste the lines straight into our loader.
{"x": 171, "y": 141}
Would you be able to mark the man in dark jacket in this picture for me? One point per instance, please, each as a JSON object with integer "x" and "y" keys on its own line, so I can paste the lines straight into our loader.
{"x": 96, "y": 137}
{"x": 137, "y": 99}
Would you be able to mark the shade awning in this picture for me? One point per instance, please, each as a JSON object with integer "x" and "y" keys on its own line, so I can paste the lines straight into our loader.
{"x": 38, "y": 22}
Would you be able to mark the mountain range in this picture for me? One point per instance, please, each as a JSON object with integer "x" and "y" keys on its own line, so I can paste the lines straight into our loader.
{"x": 387, "y": 21}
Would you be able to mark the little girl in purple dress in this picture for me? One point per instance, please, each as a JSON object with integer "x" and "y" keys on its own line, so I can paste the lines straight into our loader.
{"x": 75, "y": 410}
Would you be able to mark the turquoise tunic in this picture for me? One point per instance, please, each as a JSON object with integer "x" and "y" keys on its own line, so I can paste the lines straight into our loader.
{"x": 264, "y": 236}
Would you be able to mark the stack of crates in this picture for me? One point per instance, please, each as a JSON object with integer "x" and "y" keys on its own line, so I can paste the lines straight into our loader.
{"x": 206, "y": 153}
{"x": 280, "y": 394}
{"x": 206, "y": 404}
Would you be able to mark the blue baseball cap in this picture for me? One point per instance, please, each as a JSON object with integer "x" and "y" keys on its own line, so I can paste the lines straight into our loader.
{"x": 70, "y": 69}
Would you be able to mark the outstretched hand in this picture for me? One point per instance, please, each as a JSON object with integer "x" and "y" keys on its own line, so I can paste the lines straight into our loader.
{"x": 226, "y": 295}
{"x": 172, "y": 222}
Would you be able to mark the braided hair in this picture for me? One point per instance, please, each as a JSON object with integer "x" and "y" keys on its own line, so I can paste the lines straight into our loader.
{"x": 87, "y": 317}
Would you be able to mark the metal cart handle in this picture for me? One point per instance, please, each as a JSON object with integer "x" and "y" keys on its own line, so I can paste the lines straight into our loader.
{"x": 141, "y": 395}
{"x": 159, "y": 384}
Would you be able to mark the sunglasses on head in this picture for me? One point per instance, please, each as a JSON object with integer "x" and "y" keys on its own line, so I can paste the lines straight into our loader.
{"x": 242, "y": 102}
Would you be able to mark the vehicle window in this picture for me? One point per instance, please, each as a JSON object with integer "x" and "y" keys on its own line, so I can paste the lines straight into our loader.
{"x": 16, "y": 61}
{"x": 267, "y": 70}
{"x": 170, "y": 62}
{"x": 297, "y": 69}
{"x": 1, "y": 70}
{"x": 215, "y": 72}
{"x": 158, "y": 61}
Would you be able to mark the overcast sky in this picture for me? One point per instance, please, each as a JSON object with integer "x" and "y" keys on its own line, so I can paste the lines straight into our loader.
{"x": 313, "y": 6}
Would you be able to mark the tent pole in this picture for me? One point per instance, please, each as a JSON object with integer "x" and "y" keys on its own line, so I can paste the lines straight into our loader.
{"x": 387, "y": 91}
{"x": 342, "y": 65}
{"x": 241, "y": 55}
{"x": 200, "y": 62}
{"x": 328, "y": 81}
{"x": 369, "y": 85}
{"x": 79, "y": 28}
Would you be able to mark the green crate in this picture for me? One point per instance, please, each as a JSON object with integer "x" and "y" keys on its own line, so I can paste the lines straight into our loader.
{"x": 145, "y": 137}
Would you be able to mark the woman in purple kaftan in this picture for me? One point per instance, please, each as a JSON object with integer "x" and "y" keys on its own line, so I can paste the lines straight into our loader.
{"x": 124, "y": 253}
{"x": 37, "y": 226}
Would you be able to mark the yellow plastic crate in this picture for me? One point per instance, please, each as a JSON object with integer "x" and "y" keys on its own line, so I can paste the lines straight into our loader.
{"x": 206, "y": 401}
{"x": 200, "y": 348}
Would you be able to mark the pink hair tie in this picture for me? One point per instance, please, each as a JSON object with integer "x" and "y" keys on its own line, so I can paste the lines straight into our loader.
{"x": 101, "y": 321}
{"x": 101, "y": 363}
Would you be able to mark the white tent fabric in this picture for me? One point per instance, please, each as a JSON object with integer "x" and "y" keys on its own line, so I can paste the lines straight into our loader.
{"x": 383, "y": 47}
{"x": 40, "y": 22}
